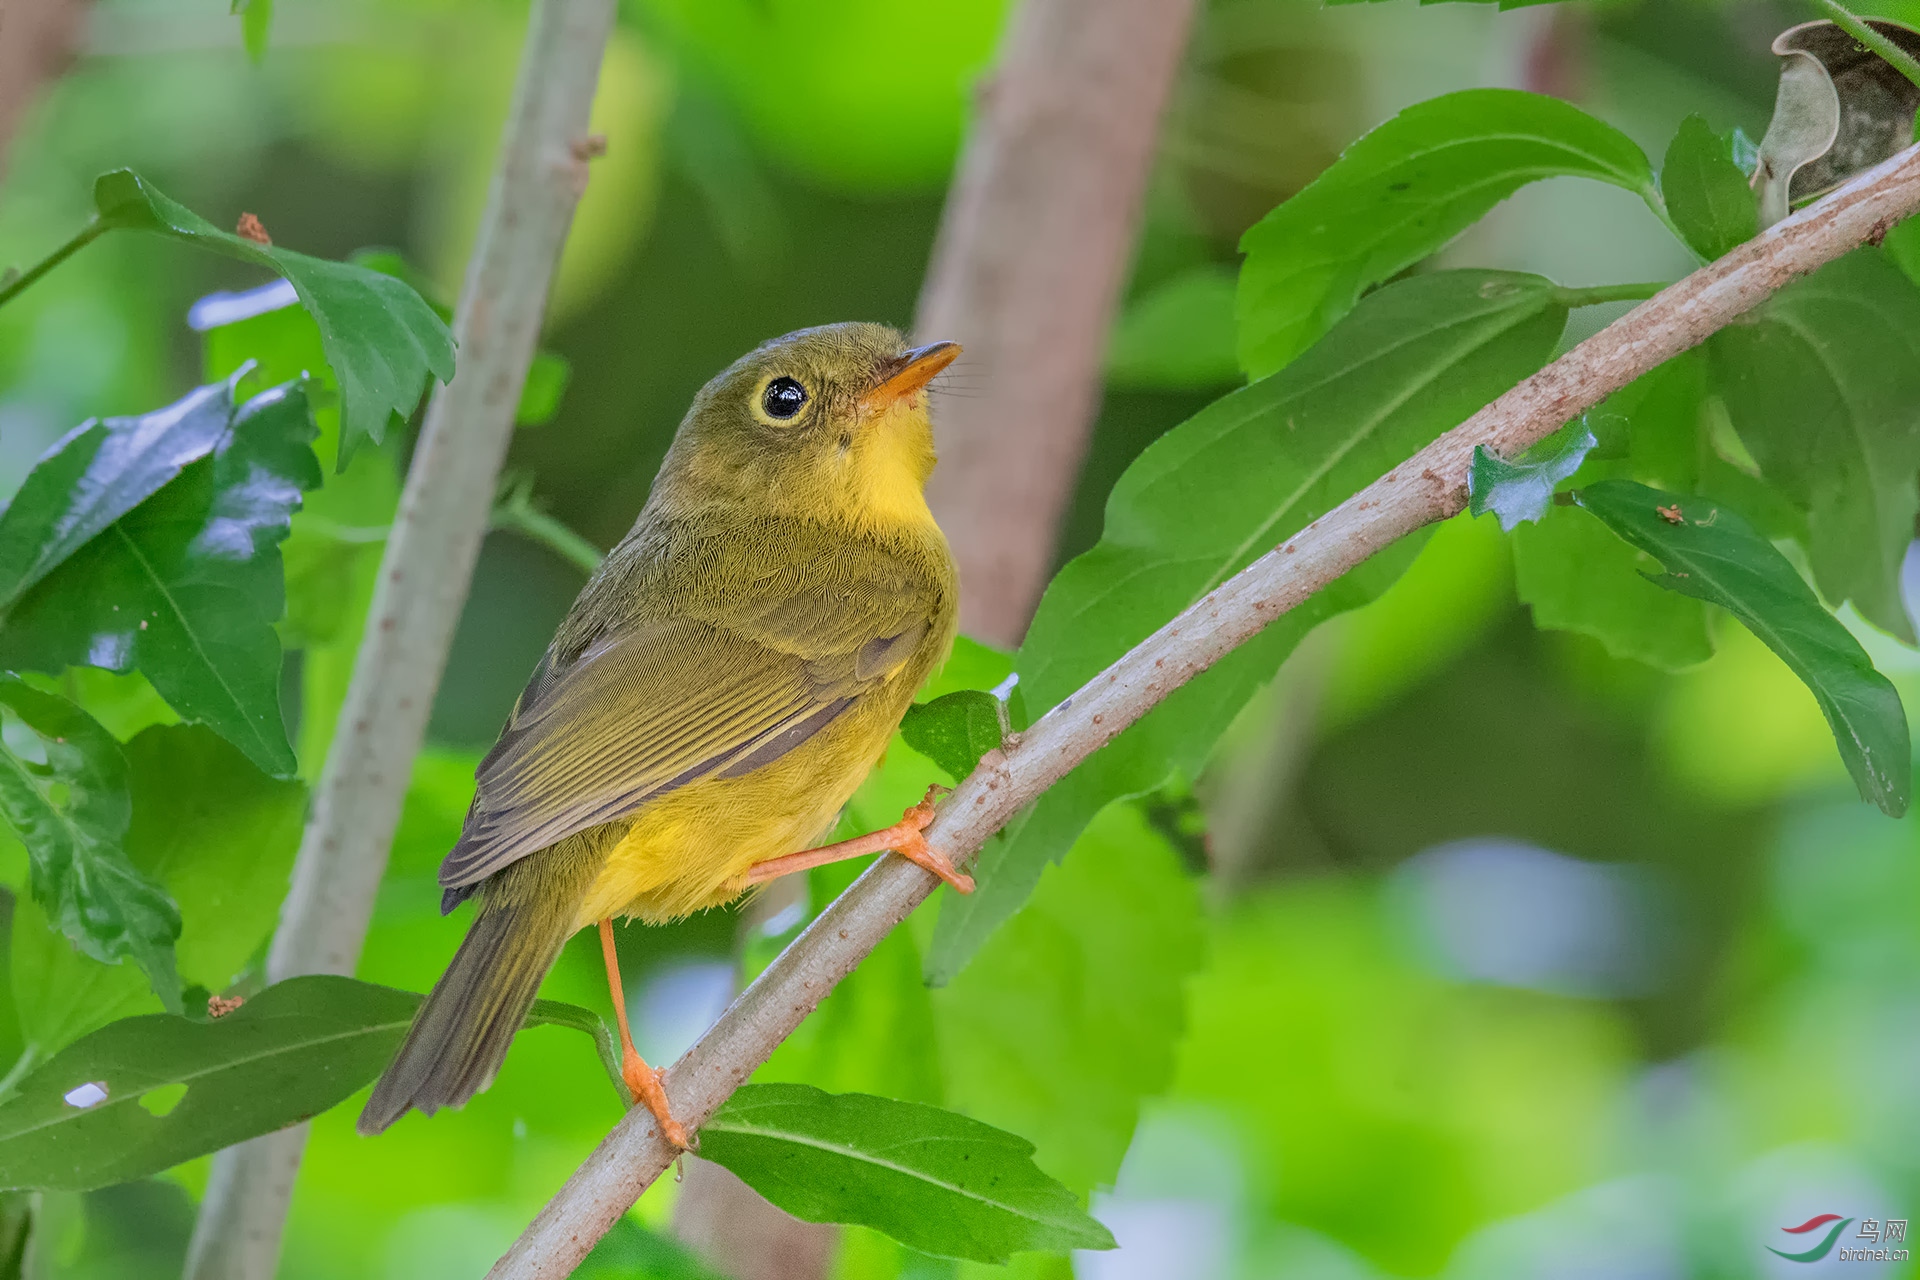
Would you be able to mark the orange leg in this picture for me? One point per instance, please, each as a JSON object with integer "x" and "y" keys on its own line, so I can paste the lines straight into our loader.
{"x": 641, "y": 1078}
{"x": 903, "y": 838}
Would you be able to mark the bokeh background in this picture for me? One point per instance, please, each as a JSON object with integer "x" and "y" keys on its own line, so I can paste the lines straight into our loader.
{"x": 1512, "y": 959}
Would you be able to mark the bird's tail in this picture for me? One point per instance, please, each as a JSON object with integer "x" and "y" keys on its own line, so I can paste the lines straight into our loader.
{"x": 460, "y": 1036}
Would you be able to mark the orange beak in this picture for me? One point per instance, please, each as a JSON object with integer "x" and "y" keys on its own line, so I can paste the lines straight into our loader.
{"x": 912, "y": 373}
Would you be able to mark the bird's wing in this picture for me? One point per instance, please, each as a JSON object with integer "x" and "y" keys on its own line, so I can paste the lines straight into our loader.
{"x": 653, "y": 706}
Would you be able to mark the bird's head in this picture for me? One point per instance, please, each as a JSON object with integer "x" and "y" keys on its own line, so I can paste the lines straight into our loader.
{"x": 827, "y": 423}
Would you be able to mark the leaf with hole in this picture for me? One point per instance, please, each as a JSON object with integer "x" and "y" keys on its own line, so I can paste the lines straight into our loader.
{"x": 64, "y": 791}
{"x": 932, "y": 1179}
{"x": 1414, "y": 359}
{"x": 381, "y": 338}
{"x": 1712, "y": 554}
{"x": 1401, "y": 193}
{"x": 83, "y": 1120}
{"x": 187, "y": 585}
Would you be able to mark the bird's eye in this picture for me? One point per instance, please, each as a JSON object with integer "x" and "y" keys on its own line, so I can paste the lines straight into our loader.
{"x": 783, "y": 398}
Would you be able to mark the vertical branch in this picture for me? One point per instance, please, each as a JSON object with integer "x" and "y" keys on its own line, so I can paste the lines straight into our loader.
{"x": 1033, "y": 249}
{"x": 38, "y": 39}
{"x": 424, "y": 577}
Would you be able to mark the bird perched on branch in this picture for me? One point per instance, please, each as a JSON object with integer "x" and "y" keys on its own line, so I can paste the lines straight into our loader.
{"x": 723, "y": 683}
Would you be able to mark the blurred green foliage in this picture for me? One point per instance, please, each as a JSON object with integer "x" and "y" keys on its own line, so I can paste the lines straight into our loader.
{"x": 1310, "y": 1067}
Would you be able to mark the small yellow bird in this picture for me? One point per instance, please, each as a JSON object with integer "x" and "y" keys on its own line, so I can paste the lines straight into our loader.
{"x": 719, "y": 689}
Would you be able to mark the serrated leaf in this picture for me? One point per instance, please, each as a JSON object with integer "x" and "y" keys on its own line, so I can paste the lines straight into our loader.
{"x": 295, "y": 1050}
{"x": 1712, "y": 554}
{"x": 64, "y": 791}
{"x": 187, "y": 585}
{"x": 1706, "y": 193}
{"x": 1822, "y": 383}
{"x": 1577, "y": 576}
{"x": 380, "y": 336}
{"x": 95, "y": 474}
{"x": 1519, "y": 491}
{"x": 954, "y": 730}
{"x": 1414, "y": 359}
{"x": 933, "y": 1180}
{"x": 1402, "y": 192}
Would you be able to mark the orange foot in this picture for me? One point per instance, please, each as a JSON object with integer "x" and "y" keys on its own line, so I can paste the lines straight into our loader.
{"x": 903, "y": 837}
{"x": 649, "y": 1089}
{"x": 645, "y": 1083}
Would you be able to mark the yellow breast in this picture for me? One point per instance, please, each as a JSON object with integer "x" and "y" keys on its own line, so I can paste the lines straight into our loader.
{"x": 691, "y": 848}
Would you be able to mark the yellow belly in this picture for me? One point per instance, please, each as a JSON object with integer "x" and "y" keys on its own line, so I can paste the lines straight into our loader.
{"x": 691, "y": 848}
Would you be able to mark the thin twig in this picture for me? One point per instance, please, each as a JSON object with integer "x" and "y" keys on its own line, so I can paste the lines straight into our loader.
{"x": 16, "y": 283}
{"x": 516, "y": 512}
{"x": 424, "y": 575}
{"x": 1427, "y": 487}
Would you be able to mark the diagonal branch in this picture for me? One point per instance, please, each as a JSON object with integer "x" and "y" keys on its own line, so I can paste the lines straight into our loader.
{"x": 424, "y": 576}
{"x": 1427, "y": 487}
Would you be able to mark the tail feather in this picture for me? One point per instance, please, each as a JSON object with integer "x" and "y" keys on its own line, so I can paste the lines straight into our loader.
{"x": 461, "y": 1033}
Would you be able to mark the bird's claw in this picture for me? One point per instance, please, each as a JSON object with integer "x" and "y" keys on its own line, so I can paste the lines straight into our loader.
{"x": 648, "y": 1085}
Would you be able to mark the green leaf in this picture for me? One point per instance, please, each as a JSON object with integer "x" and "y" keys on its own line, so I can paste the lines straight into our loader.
{"x": 187, "y": 585}
{"x": 933, "y": 1180}
{"x": 1823, "y": 384}
{"x": 1179, "y": 336}
{"x": 381, "y": 337}
{"x": 1519, "y": 491}
{"x": 291, "y": 1052}
{"x": 1576, "y": 576}
{"x": 298, "y": 1048}
{"x": 1070, "y": 1016}
{"x": 954, "y": 731}
{"x": 1414, "y": 359}
{"x": 631, "y": 1252}
{"x": 220, "y": 836}
{"x": 1653, "y": 426}
{"x": 1902, "y": 245}
{"x": 1712, "y": 554}
{"x": 95, "y": 474}
{"x": 1706, "y": 193}
{"x": 256, "y": 20}
{"x": 546, "y": 385}
{"x": 1402, "y": 192}
{"x": 60, "y": 992}
{"x": 339, "y": 533}
{"x": 63, "y": 790}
